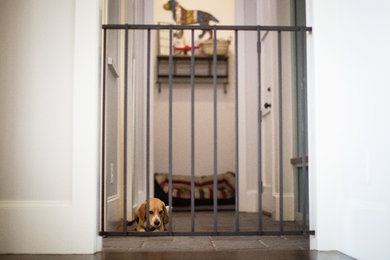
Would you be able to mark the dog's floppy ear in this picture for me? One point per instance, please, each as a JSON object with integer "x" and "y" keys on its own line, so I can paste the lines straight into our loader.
{"x": 140, "y": 214}
{"x": 166, "y": 214}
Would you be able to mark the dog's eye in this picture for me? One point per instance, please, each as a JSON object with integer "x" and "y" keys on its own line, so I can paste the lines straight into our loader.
{"x": 160, "y": 212}
{"x": 150, "y": 212}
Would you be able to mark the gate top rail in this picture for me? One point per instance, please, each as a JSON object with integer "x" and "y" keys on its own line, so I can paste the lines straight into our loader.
{"x": 205, "y": 27}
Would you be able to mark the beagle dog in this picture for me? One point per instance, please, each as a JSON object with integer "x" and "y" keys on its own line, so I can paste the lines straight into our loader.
{"x": 158, "y": 216}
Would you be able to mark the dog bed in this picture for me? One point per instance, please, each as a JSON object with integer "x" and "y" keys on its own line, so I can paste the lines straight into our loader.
{"x": 204, "y": 189}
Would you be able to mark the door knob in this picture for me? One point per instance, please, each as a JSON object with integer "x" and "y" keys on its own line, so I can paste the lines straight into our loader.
{"x": 267, "y": 105}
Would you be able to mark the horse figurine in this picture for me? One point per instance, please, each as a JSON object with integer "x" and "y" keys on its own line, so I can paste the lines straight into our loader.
{"x": 183, "y": 16}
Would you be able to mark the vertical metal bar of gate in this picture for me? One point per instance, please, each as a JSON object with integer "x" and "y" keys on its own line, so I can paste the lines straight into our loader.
{"x": 280, "y": 131}
{"x": 260, "y": 182}
{"x": 125, "y": 134}
{"x": 192, "y": 132}
{"x": 103, "y": 180}
{"x": 215, "y": 193}
{"x": 147, "y": 129}
{"x": 303, "y": 132}
{"x": 237, "y": 133}
{"x": 170, "y": 129}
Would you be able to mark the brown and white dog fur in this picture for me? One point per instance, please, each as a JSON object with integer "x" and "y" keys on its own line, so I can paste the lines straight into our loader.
{"x": 158, "y": 215}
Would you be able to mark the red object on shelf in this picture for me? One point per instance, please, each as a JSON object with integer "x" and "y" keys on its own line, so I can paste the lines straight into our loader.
{"x": 185, "y": 48}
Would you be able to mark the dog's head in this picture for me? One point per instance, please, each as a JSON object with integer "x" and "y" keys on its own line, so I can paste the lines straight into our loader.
{"x": 158, "y": 213}
{"x": 170, "y": 5}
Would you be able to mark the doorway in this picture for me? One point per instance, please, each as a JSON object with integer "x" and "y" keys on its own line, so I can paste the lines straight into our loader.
{"x": 142, "y": 152}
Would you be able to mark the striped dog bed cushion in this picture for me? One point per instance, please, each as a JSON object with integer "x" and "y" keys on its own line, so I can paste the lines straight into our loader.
{"x": 204, "y": 185}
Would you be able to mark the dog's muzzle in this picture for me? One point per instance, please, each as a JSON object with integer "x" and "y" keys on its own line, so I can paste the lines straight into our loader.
{"x": 151, "y": 228}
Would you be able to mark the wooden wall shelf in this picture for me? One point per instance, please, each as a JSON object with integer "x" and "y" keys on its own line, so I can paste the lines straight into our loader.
{"x": 181, "y": 70}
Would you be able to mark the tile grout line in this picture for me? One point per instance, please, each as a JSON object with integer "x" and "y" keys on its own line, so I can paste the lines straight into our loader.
{"x": 212, "y": 243}
{"x": 142, "y": 244}
{"x": 262, "y": 243}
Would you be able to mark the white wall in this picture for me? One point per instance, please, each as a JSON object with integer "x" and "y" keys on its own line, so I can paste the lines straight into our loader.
{"x": 204, "y": 149}
{"x": 36, "y": 101}
{"x": 349, "y": 126}
{"x": 143, "y": 15}
{"x": 49, "y": 132}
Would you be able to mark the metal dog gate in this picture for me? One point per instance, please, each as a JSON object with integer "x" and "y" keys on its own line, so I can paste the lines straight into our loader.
{"x": 299, "y": 32}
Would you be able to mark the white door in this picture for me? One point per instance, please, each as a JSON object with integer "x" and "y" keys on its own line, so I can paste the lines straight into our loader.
{"x": 49, "y": 115}
{"x": 113, "y": 168}
{"x": 128, "y": 12}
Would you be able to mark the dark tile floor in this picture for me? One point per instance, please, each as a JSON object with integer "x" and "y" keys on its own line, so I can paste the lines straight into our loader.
{"x": 204, "y": 247}
{"x": 184, "y": 255}
{"x": 205, "y": 244}
{"x": 217, "y": 247}
{"x": 226, "y": 222}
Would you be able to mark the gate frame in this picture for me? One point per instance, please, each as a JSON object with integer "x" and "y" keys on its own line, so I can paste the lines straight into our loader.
{"x": 279, "y": 29}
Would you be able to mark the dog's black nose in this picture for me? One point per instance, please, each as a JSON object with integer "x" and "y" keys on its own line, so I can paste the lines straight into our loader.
{"x": 156, "y": 223}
